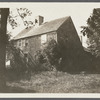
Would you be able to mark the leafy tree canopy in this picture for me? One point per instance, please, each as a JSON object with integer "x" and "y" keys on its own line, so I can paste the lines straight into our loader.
{"x": 92, "y": 30}
{"x": 22, "y": 13}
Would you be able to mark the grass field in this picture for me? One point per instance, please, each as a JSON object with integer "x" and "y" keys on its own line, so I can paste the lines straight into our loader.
{"x": 48, "y": 82}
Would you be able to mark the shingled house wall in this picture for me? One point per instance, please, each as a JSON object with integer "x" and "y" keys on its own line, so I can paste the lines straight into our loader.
{"x": 33, "y": 43}
{"x": 70, "y": 45}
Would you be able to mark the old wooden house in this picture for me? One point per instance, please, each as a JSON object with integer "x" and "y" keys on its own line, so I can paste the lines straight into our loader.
{"x": 62, "y": 30}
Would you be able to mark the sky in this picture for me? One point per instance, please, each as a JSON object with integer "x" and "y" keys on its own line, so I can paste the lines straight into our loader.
{"x": 79, "y": 12}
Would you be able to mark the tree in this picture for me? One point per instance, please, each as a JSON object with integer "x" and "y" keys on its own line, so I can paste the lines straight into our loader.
{"x": 22, "y": 13}
{"x": 52, "y": 53}
{"x": 3, "y": 24}
{"x": 14, "y": 14}
{"x": 92, "y": 30}
{"x": 49, "y": 56}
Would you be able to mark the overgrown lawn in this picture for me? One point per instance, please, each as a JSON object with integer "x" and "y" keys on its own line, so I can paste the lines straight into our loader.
{"x": 49, "y": 82}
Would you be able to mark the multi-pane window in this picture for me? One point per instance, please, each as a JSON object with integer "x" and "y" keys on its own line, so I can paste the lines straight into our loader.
{"x": 22, "y": 43}
{"x": 43, "y": 38}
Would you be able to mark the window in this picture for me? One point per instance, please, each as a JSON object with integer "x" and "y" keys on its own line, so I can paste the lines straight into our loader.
{"x": 43, "y": 39}
{"x": 55, "y": 37}
{"x": 52, "y": 36}
{"x": 23, "y": 42}
{"x": 19, "y": 43}
{"x": 26, "y": 42}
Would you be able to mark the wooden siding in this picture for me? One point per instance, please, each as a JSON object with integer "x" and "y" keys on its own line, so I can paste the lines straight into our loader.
{"x": 70, "y": 45}
{"x": 33, "y": 43}
{"x": 68, "y": 37}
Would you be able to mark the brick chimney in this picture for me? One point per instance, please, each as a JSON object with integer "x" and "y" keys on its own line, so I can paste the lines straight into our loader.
{"x": 38, "y": 20}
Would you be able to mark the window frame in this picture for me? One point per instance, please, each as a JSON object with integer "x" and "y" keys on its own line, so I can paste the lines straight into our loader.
{"x": 43, "y": 41}
{"x": 19, "y": 43}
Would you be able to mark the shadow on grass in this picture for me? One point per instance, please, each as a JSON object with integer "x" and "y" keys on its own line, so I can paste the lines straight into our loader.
{"x": 13, "y": 77}
{"x": 10, "y": 89}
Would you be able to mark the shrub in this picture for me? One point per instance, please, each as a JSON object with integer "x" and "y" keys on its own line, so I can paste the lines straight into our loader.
{"x": 49, "y": 56}
{"x": 46, "y": 58}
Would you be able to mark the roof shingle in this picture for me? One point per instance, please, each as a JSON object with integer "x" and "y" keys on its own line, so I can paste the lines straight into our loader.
{"x": 44, "y": 28}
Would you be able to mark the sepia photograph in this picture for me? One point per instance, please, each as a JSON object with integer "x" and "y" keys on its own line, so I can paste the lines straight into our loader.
{"x": 49, "y": 47}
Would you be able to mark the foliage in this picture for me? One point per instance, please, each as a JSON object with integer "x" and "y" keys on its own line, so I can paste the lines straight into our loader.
{"x": 50, "y": 54}
{"x": 18, "y": 63}
{"x": 45, "y": 59}
{"x": 9, "y": 44}
{"x": 40, "y": 57}
{"x": 92, "y": 30}
{"x": 22, "y": 13}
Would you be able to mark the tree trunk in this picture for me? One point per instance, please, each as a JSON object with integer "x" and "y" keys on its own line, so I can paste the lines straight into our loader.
{"x": 3, "y": 39}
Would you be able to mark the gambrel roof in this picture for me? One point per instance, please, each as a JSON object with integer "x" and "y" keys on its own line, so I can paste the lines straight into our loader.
{"x": 44, "y": 28}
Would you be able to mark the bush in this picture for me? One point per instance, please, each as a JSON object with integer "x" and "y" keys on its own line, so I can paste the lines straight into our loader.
{"x": 46, "y": 59}
{"x": 49, "y": 56}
